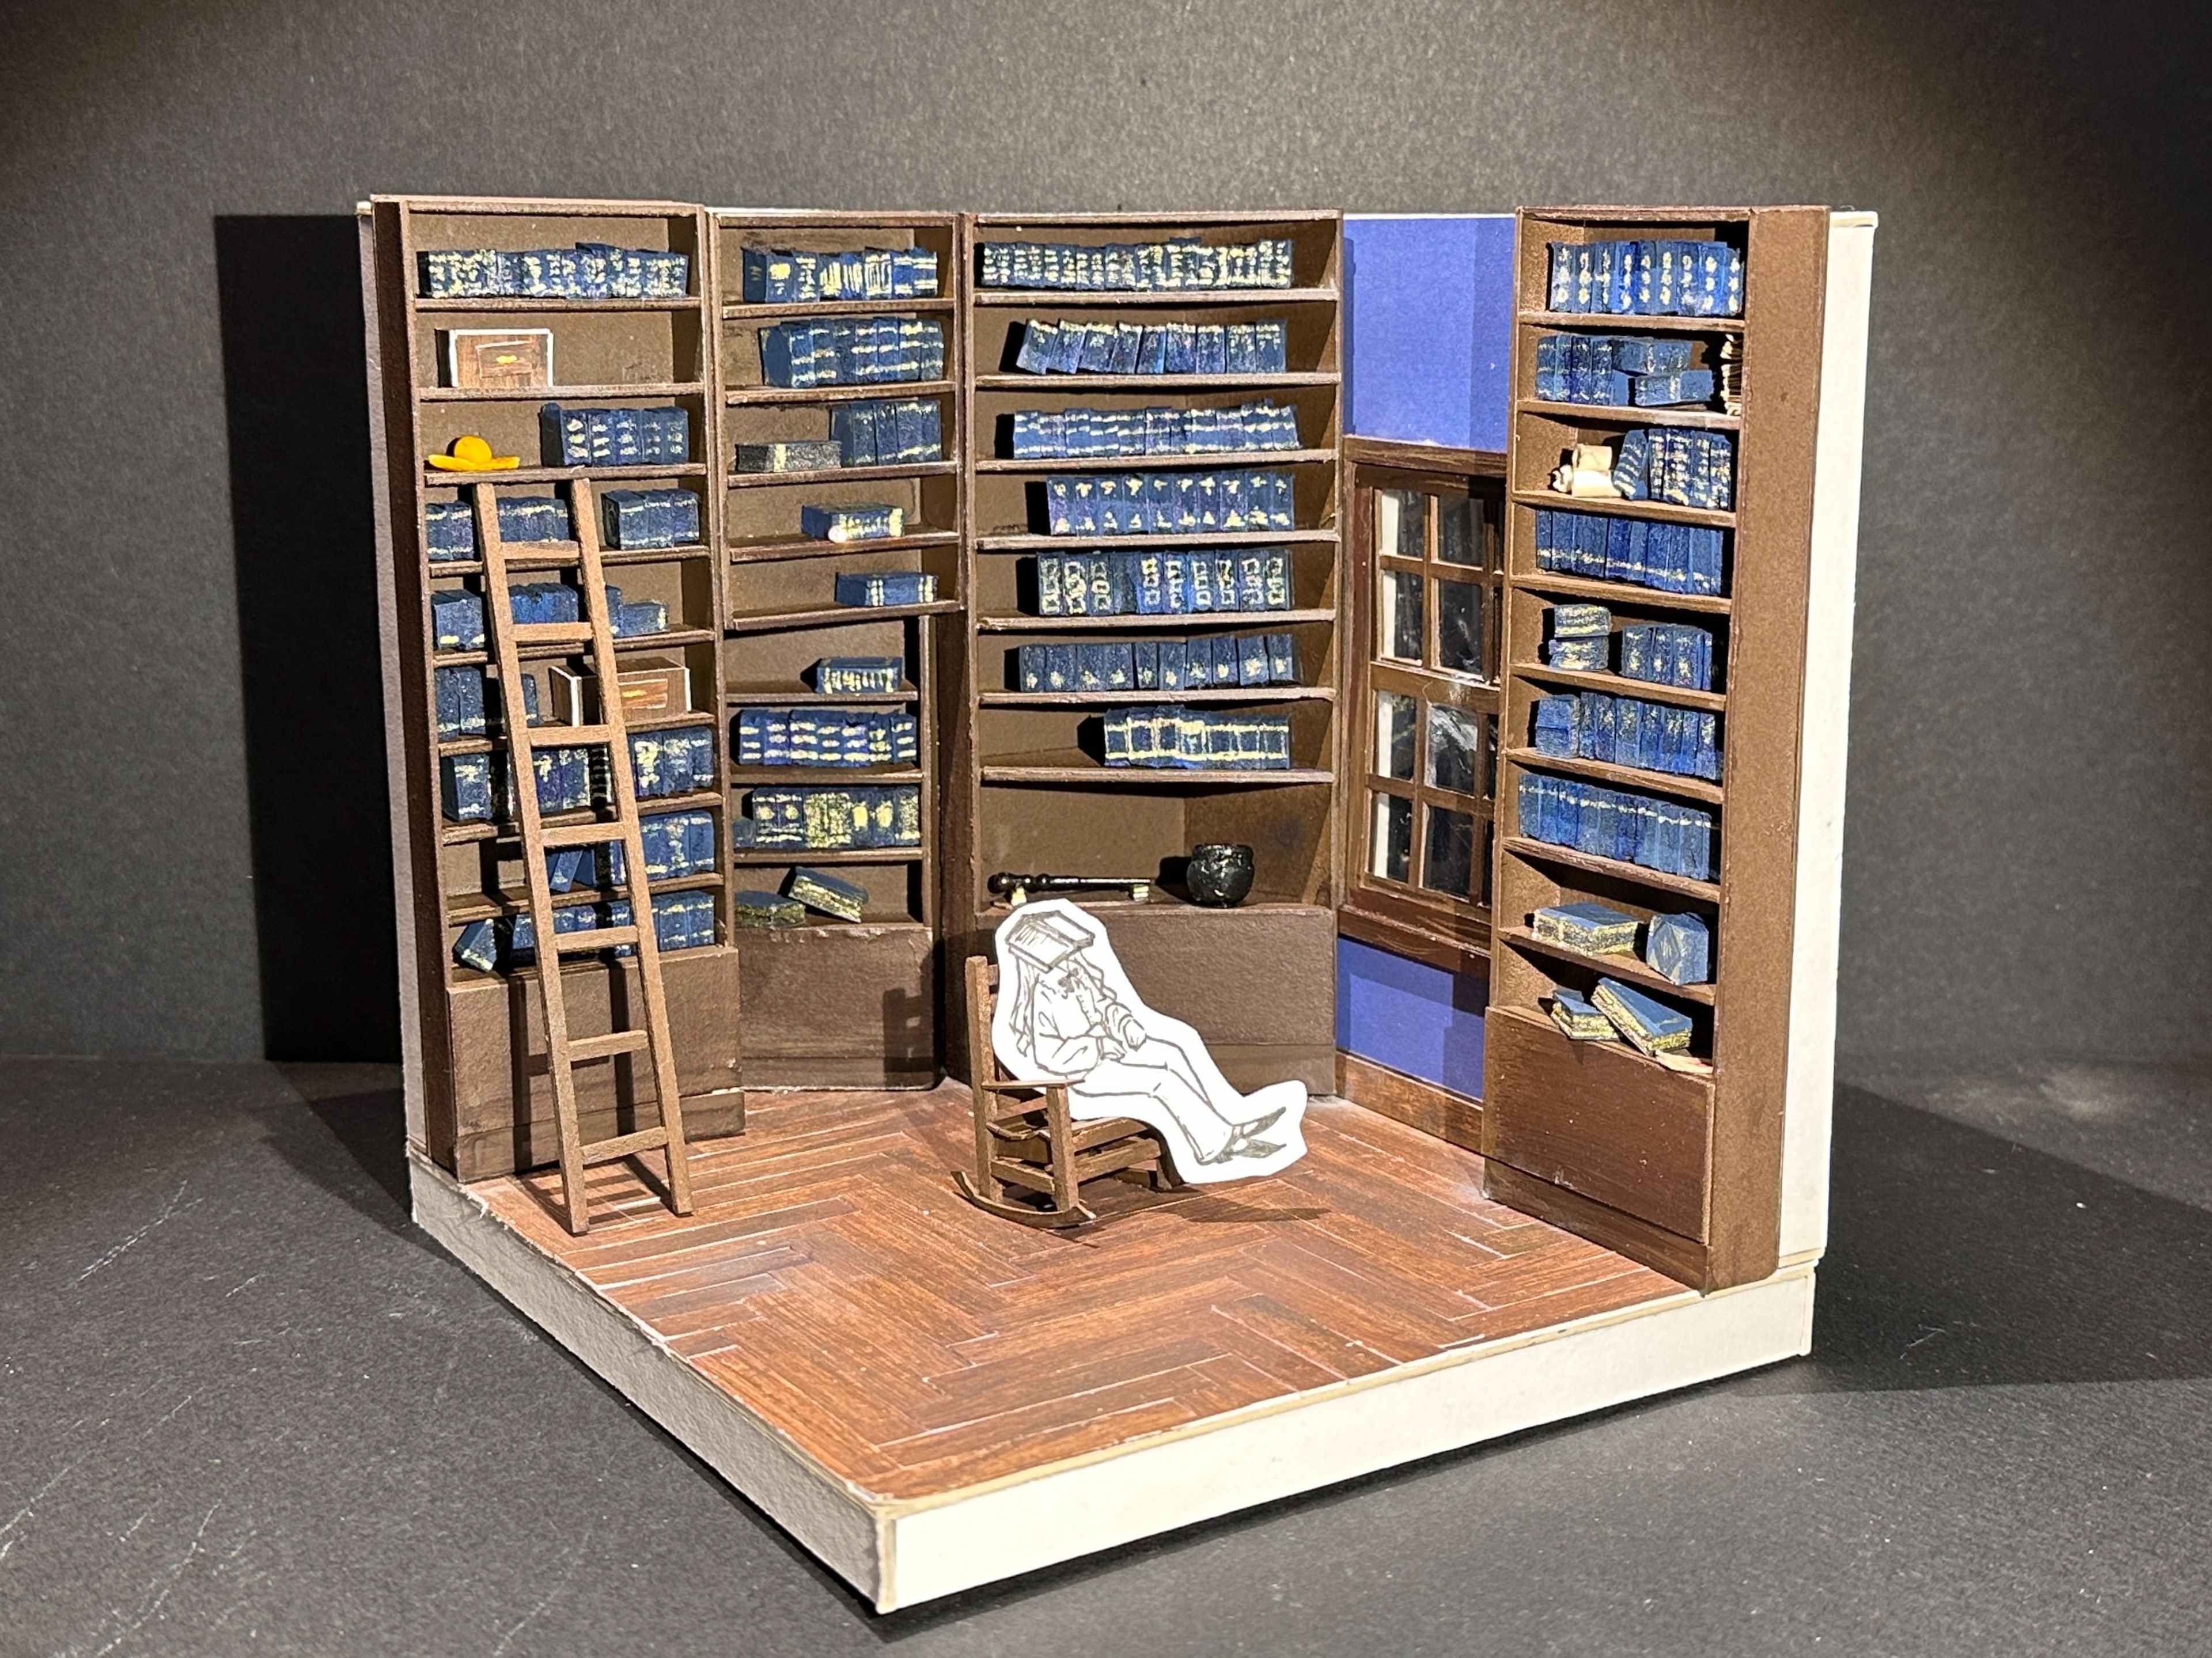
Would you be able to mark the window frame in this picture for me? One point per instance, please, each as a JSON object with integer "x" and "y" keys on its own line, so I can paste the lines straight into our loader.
{"x": 1407, "y": 917}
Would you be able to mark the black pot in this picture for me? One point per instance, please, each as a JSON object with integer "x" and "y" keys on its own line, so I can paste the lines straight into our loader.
{"x": 1220, "y": 875}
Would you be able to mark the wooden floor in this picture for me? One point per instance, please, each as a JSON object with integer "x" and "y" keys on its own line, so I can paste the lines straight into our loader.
{"x": 833, "y": 1281}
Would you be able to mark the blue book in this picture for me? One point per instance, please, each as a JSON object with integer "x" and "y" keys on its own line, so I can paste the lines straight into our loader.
{"x": 450, "y": 531}
{"x": 457, "y": 620}
{"x": 1060, "y": 669}
{"x": 1282, "y": 660}
{"x": 878, "y": 588}
{"x": 1152, "y": 352}
{"x": 1653, "y": 354}
{"x": 1145, "y": 665}
{"x": 459, "y": 693}
{"x": 1029, "y": 672}
{"x": 1556, "y": 725}
{"x": 851, "y": 521}
{"x": 464, "y": 787}
{"x": 1581, "y": 620}
{"x": 858, "y": 676}
{"x": 1252, "y": 659}
{"x": 632, "y": 519}
{"x": 1631, "y": 464}
{"x": 1651, "y": 1026}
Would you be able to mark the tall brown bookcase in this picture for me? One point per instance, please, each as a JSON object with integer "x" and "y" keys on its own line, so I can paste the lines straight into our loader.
{"x": 1028, "y": 792}
{"x": 1679, "y": 1165}
{"x": 837, "y": 1004}
{"x": 482, "y": 1034}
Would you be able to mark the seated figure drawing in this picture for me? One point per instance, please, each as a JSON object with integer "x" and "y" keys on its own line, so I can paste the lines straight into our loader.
{"x": 1067, "y": 1012}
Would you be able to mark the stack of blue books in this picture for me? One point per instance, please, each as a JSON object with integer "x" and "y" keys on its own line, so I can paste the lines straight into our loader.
{"x": 859, "y": 675}
{"x": 1179, "y": 262}
{"x": 1069, "y": 346}
{"x": 1582, "y": 638}
{"x": 451, "y": 526}
{"x": 612, "y": 437}
{"x": 830, "y": 819}
{"x": 1619, "y": 369}
{"x": 1646, "y": 278}
{"x": 630, "y": 520}
{"x": 679, "y": 762}
{"x": 1163, "y": 583}
{"x": 1107, "y": 434}
{"x": 1674, "y": 558}
{"x": 1668, "y": 653}
{"x": 1684, "y": 468}
{"x": 1199, "y": 739}
{"x": 784, "y": 276}
{"x": 1626, "y": 731}
{"x": 876, "y": 589}
{"x": 1210, "y": 662}
{"x": 827, "y": 737}
{"x": 861, "y": 351}
{"x": 1168, "y": 503}
{"x": 877, "y": 431}
{"x": 589, "y": 270}
{"x": 1666, "y": 835}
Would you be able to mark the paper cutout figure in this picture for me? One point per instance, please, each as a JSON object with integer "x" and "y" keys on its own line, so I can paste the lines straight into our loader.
{"x": 1067, "y": 1012}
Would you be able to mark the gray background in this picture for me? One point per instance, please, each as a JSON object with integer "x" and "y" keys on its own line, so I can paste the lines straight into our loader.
{"x": 192, "y": 791}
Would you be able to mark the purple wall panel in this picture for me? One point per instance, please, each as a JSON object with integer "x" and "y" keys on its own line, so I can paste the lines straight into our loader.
{"x": 1409, "y": 1015}
{"x": 1429, "y": 308}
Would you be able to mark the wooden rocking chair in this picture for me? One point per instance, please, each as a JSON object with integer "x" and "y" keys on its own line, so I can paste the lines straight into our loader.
{"x": 1024, "y": 1136}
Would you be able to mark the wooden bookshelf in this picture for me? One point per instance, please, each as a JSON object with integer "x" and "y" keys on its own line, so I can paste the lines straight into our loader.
{"x": 477, "y": 1120}
{"x": 837, "y": 1004}
{"x": 1678, "y": 1164}
{"x": 1025, "y": 789}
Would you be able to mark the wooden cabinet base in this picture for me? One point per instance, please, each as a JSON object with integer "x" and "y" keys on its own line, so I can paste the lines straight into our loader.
{"x": 840, "y": 1006}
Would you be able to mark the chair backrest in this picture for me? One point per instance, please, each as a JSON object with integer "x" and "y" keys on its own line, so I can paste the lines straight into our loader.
{"x": 982, "y": 1003}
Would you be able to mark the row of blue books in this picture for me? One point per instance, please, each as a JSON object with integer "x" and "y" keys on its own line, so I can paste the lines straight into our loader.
{"x": 1242, "y": 580}
{"x": 1178, "y": 263}
{"x": 1208, "y": 662}
{"x": 637, "y": 519}
{"x": 1668, "y": 653}
{"x": 1666, "y": 835}
{"x": 457, "y": 615}
{"x": 1685, "y": 468}
{"x": 675, "y": 761}
{"x": 863, "y": 351}
{"x": 803, "y": 275}
{"x": 1646, "y": 278}
{"x": 879, "y": 432}
{"x": 459, "y": 696}
{"x": 1105, "y": 434}
{"x": 875, "y": 589}
{"x": 681, "y": 920}
{"x": 1198, "y": 738}
{"x": 860, "y": 521}
{"x": 845, "y": 819}
{"x": 451, "y": 526}
{"x": 589, "y": 270}
{"x": 476, "y": 788}
{"x": 1069, "y": 346}
{"x": 1619, "y": 369}
{"x": 1673, "y": 558}
{"x": 569, "y": 436}
{"x": 1626, "y": 731}
{"x": 675, "y": 844}
{"x": 859, "y": 675}
{"x": 827, "y": 737}
{"x": 1168, "y": 503}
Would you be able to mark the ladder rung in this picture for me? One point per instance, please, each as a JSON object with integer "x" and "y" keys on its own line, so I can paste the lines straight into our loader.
{"x": 565, "y": 737}
{"x": 598, "y": 1047}
{"x": 626, "y": 1145}
{"x": 550, "y": 633}
{"x": 588, "y": 939}
{"x": 580, "y": 834}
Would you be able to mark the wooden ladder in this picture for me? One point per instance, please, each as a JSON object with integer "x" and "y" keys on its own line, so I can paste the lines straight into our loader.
{"x": 594, "y": 634}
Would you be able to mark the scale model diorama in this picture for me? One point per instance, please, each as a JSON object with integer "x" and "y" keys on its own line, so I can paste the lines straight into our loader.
{"x": 1060, "y": 874}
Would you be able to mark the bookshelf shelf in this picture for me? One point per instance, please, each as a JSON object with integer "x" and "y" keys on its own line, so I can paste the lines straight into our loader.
{"x": 1657, "y": 782}
{"x": 1606, "y": 323}
{"x": 1209, "y": 619}
{"x": 1620, "y": 415}
{"x": 831, "y": 615}
{"x": 561, "y": 393}
{"x": 1630, "y": 874}
{"x": 510, "y": 306}
{"x": 1141, "y": 699}
{"x": 768, "y": 397}
{"x": 1614, "y": 684}
{"x": 438, "y": 478}
{"x": 1657, "y": 510}
{"x": 1022, "y": 541}
{"x": 562, "y": 555}
{"x": 489, "y": 905}
{"x": 756, "y": 856}
{"x": 1071, "y": 384}
{"x": 794, "y": 696}
{"x": 770, "y": 776}
{"x": 843, "y": 474}
{"x": 1166, "y": 463}
{"x": 772, "y": 549}
{"x": 1700, "y": 1199}
{"x": 456, "y": 835}
{"x": 910, "y": 306}
{"x": 1055, "y": 298}
{"x": 1064, "y": 768}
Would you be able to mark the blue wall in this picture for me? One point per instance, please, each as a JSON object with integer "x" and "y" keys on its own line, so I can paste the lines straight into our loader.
{"x": 1430, "y": 308}
{"x": 1430, "y": 305}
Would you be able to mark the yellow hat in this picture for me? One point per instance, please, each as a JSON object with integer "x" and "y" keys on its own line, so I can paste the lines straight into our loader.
{"x": 470, "y": 454}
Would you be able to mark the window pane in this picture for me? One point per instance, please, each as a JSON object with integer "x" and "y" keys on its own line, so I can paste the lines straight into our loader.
{"x": 1393, "y": 735}
{"x": 1450, "y": 854}
{"x": 1459, "y": 627}
{"x": 1401, "y": 522}
{"x": 1391, "y": 854}
{"x": 1459, "y": 531}
{"x": 1453, "y": 749}
{"x": 1400, "y": 632}
{"x": 1489, "y": 756}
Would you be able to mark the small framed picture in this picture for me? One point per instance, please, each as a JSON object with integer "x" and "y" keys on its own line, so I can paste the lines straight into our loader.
{"x": 500, "y": 359}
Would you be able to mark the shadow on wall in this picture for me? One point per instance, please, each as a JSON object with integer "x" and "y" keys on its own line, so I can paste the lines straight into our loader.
{"x": 303, "y": 524}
